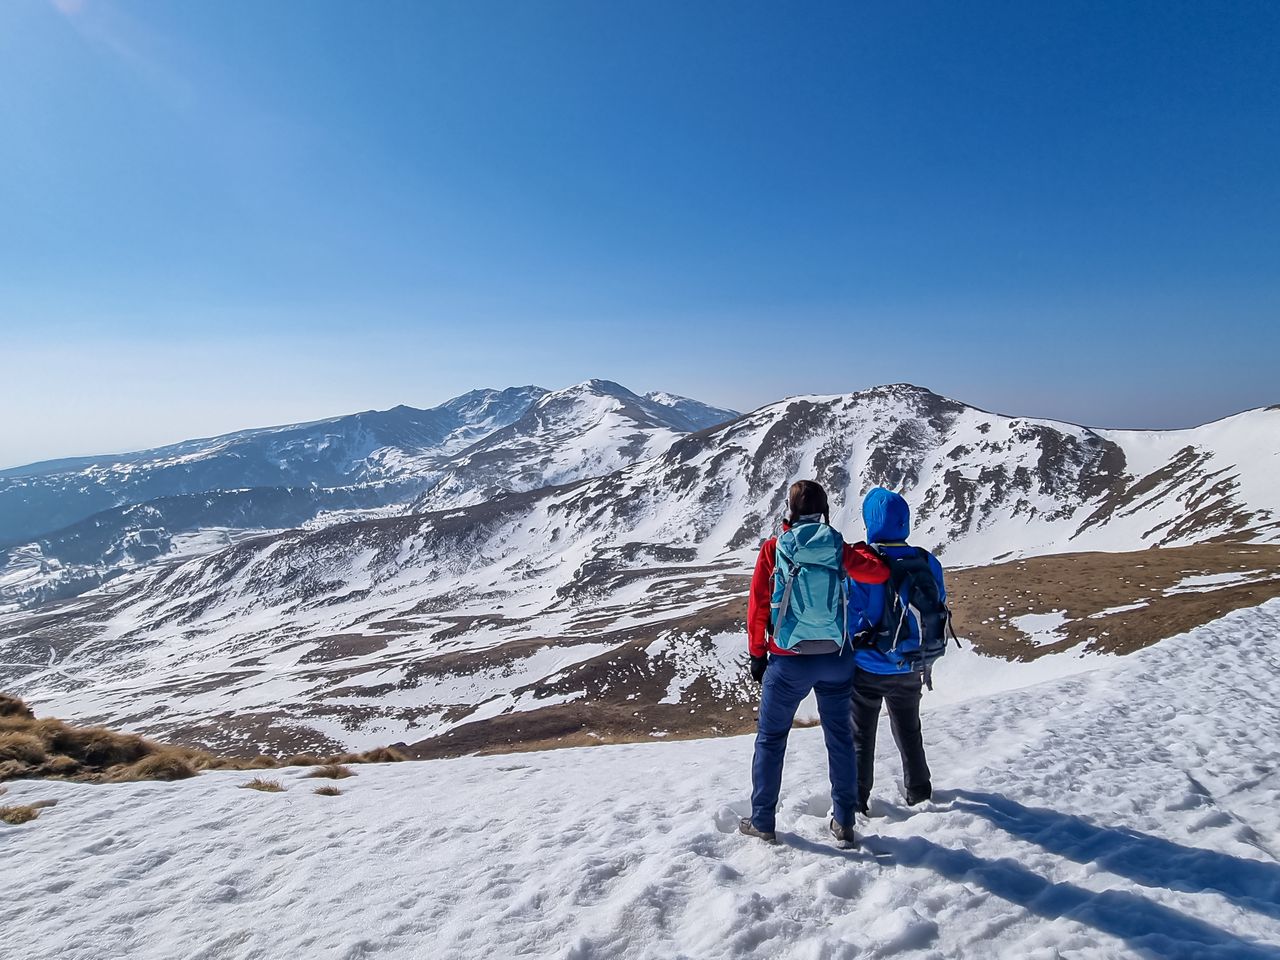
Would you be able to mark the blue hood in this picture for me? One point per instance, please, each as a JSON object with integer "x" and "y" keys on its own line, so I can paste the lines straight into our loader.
{"x": 887, "y": 516}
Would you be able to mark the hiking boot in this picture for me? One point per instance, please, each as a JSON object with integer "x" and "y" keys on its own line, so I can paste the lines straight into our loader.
{"x": 843, "y": 835}
{"x": 918, "y": 795}
{"x": 745, "y": 826}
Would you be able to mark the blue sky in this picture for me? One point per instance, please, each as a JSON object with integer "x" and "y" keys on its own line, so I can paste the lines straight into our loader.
{"x": 218, "y": 215}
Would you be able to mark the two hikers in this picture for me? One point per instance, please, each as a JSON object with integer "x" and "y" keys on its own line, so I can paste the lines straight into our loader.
{"x": 798, "y": 639}
{"x": 840, "y": 620}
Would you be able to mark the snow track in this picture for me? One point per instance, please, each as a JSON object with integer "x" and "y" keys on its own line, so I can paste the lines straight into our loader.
{"x": 1125, "y": 812}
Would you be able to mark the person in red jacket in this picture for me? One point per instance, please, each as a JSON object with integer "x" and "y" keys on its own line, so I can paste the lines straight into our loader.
{"x": 821, "y": 664}
{"x": 860, "y": 562}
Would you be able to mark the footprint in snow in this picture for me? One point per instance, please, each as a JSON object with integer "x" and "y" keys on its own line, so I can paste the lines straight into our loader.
{"x": 816, "y": 805}
{"x": 727, "y": 816}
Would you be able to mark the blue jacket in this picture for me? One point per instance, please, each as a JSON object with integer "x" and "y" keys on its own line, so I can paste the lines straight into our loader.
{"x": 888, "y": 520}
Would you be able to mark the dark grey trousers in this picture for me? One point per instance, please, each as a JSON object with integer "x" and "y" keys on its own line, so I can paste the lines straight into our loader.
{"x": 901, "y": 692}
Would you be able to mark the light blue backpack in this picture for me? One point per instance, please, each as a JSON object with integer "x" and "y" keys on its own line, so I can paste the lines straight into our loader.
{"x": 810, "y": 594}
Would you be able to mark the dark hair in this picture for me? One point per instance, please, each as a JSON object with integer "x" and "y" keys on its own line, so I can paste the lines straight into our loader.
{"x": 807, "y": 497}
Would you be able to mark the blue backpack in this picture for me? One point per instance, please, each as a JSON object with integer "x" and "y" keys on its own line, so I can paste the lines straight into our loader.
{"x": 810, "y": 592}
{"x": 911, "y": 592}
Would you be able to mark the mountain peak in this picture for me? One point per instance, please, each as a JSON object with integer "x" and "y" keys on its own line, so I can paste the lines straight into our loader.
{"x": 483, "y": 400}
{"x": 654, "y": 409}
{"x": 905, "y": 390}
{"x": 597, "y": 386}
{"x": 590, "y": 428}
{"x": 921, "y": 400}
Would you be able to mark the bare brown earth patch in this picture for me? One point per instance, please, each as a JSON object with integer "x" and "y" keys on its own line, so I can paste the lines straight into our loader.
{"x": 343, "y": 647}
{"x": 1158, "y": 586}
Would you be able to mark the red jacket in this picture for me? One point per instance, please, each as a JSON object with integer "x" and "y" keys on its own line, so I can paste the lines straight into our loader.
{"x": 860, "y": 562}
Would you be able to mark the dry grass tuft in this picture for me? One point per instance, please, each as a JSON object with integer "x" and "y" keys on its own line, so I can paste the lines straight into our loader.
{"x": 13, "y": 707}
{"x": 377, "y": 755}
{"x": 266, "y": 786}
{"x": 24, "y": 813}
{"x": 302, "y": 760}
{"x": 332, "y": 771}
{"x": 19, "y": 814}
{"x": 48, "y": 748}
{"x": 381, "y": 755}
{"x": 95, "y": 747}
{"x": 327, "y": 792}
{"x": 60, "y": 765}
{"x": 207, "y": 761}
{"x": 165, "y": 765}
{"x": 21, "y": 747}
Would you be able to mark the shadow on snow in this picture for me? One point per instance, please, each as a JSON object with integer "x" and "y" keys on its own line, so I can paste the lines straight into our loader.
{"x": 1142, "y": 858}
{"x": 1150, "y": 928}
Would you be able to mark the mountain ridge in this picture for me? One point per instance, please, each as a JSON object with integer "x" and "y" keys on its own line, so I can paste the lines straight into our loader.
{"x": 329, "y": 452}
{"x": 271, "y": 478}
{"x": 484, "y": 616}
{"x": 589, "y": 428}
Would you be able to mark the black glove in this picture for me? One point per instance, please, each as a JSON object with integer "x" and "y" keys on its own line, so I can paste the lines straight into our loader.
{"x": 757, "y": 668}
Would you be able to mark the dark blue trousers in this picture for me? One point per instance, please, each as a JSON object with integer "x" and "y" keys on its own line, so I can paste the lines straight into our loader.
{"x": 787, "y": 681}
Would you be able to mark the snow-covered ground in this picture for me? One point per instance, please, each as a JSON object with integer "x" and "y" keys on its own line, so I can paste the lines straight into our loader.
{"x": 1124, "y": 812}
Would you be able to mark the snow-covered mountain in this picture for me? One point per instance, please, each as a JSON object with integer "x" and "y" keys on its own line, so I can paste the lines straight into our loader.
{"x": 99, "y": 517}
{"x": 181, "y": 499}
{"x": 368, "y": 448}
{"x": 696, "y": 415}
{"x": 611, "y": 603}
{"x": 586, "y": 430}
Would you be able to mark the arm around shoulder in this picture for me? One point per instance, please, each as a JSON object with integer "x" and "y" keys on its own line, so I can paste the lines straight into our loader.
{"x": 864, "y": 564}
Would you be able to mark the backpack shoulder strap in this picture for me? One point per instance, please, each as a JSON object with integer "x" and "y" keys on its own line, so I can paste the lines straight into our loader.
{"x": 893, "y": 614}
{"x": 787, "y": 567}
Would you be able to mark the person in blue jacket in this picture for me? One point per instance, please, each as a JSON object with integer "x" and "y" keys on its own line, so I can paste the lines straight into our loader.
{"x": 887, "y": 676}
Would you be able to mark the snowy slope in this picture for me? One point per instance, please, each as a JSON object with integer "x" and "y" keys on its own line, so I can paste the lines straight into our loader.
{"x": 697, "y": 415}
{"x": 587, "y": 430}
{"x": 1223, "y": 476}
{"x": 1093, "y": 816}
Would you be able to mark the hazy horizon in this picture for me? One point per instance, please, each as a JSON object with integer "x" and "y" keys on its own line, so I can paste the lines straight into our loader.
{"x": 642, "y": 389}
